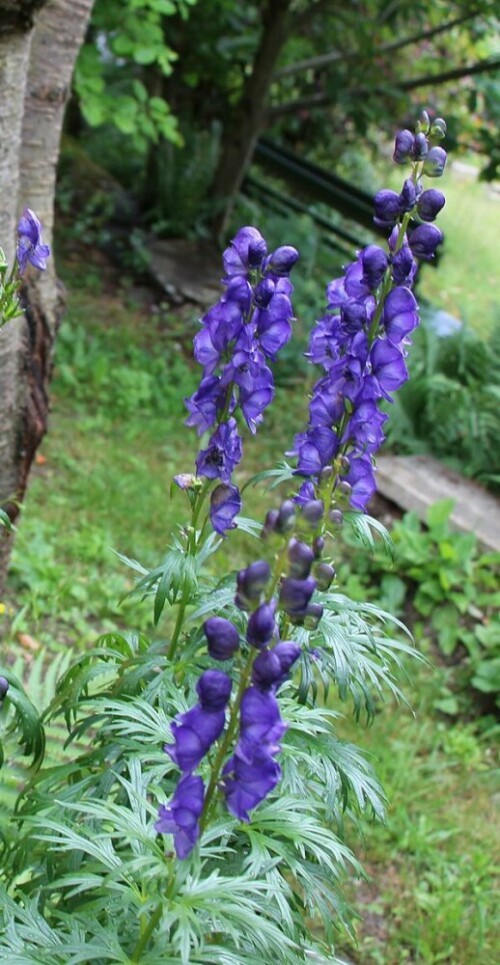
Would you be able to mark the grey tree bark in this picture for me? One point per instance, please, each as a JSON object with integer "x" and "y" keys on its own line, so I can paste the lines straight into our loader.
{"x": 36, "y": 64}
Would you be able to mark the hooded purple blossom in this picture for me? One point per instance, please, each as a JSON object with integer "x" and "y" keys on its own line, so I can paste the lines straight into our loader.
{"x": 195, "y": 731}
{"x": 181, "y": 816}
{"x": 222, "y": 637}
{"x": 30, "y": 247}
{"x": 424, "y": 240}
{"x": 225, "y": 504}
{"x": 223, "y": 453}
{"x": 262, "y": 625}
{"x": 249, "y": 776}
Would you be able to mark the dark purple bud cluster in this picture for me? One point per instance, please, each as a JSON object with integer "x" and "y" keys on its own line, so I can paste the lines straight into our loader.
{"x": 239, "y": 336}
{"x": 361, "y": 342}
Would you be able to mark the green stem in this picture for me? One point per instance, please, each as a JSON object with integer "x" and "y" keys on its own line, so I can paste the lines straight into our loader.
{"x": 146, "y": 934}
{"x": 191, "y": 549}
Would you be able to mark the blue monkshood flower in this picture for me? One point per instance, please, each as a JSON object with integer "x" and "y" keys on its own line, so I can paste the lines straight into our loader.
{"x": 246, "y": 251}
{"x": 225, "y": 504}
{"x": 430, "y": 203}
{"x": 262, "y": 625}
{"x": 296, "y": 594}
{"x": 222, "y": 636}
{"x": 181, "y": 816}
{"x": 195, "y": 731}
{"x": 30, "y": 247}
{"x": 300, "y": 559}
{"x": 324, "y": 574}
{"x": 206, "y": 404}
{"x": 388, "y": 366}
{"x": 315, "y": 448}
{"x": 435, "y": 162}
{"x": 420, "y": 147}
{"x": 387, "y": 209}
{"x": 305, "y": 493}
{"x": 424, "y": 240}
{"x": 214, "y": 690}
{"x": 248, "y": 779}
{"x": 364, "y": 429}
{"x": 255, "y": 400}
{"x": 313, "y": 512}
{"x": 250, "y": 584}
{"x": 374, "y": 262}
{"x": 404, "y": 266}
{"x": 403, "y": 147}
{"x": 408, "y": 196}
{"x": 263, "y": 292}
{"x": 400, "y": 315}
{"x": 287, "y": 652}
{"x": 223, "y": 453}
{"x": 361, "y": 477}
{"x": 260, "y": 720}
{"x": 274, "y": 327}
{"x": 266, "y": 670}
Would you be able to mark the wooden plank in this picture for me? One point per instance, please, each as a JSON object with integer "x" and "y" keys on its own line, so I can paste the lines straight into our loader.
{"x": 416, "y": 482}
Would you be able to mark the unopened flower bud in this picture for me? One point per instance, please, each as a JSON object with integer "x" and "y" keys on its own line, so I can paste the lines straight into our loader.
{"x": 313, "y": 511}
{"x": 287, "y": 652}
{"x": 344, "y": 465}
{"x": 424, "y": 241}
{"x": 262, "y": 625}
{"x": 214, "y": 690}
{"x": 403, "y": 146}
{"x": 435, "y": 162}
{"x": 438, "y": 129}
{"x": 266, "y": 670}
{"x": 282, "y": 260}
{"x": 408, "y": 196}
{"x": 286, "y": 516}
{"x": 345, "y": 488}
{"x": 4, "y": 686}
{"x": 430, "y": 204}
{"x": 251, "y": 582}
{"x": 312, "y": 616}
{"x": 295, "y": 594}
{"x": 270, "y": 522}
{"x": 423, "y": 123}
{"x": 420, "y": 147}
{"x": 222, "y": 637}
{"x": 336, "y": 516}
{"x": 300, "y": 558}
{"x": 387, "y": 208}
{"x": 325, "y": 474}
{"x": 324, "y": 574}
{"x": 318, "y": 547}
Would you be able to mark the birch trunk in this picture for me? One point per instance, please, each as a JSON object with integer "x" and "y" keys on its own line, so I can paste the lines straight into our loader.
{"x": 41, "y": 85}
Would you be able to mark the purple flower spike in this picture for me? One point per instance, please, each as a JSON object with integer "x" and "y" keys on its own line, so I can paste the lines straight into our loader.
{"x": 224, "y": 452}
{"x": 260, "y": 720}
{"x": 251, "y": 582}
{"x": 262, "y": 625}
{"x": 424, "y": 241}
{"x": 29, "y": 247}
{"x": 430, "y": 204}
{"x": 181, "y": 816}
{"x": 225, "y": 504}
{"x": 214, "y": 689}
{"x": 222, "y": 637}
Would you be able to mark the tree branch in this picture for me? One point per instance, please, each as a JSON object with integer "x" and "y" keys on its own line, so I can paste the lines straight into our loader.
{"x": 428, "y": 80}
{"x": 323, "y": 60}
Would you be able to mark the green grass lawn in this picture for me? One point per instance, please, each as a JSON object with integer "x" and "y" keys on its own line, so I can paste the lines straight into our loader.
{"x": 103, "y": 483}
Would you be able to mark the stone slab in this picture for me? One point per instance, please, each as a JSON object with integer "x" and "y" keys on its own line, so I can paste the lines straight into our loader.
{"x": 188, "y": 271}
{"x": 416, "y": 482}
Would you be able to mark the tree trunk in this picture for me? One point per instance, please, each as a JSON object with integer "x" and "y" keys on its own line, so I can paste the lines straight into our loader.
{"x": 245, "y": 123}
{"x": 34, "y": 90}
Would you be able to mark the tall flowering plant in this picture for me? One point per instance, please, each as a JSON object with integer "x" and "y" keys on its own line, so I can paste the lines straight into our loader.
{"x": 201, "y": 819}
